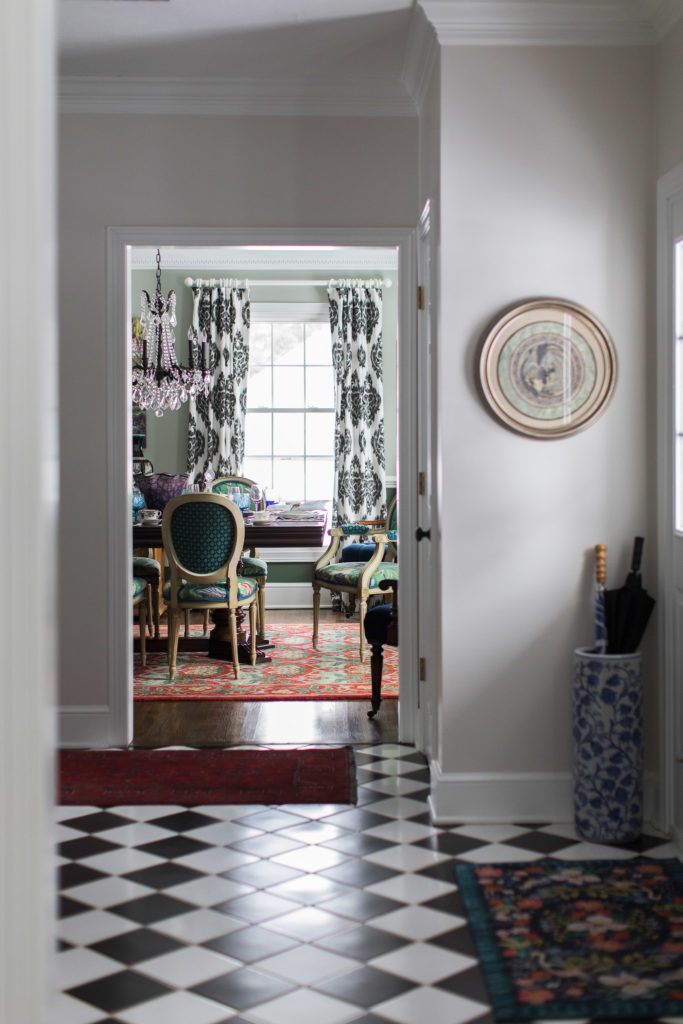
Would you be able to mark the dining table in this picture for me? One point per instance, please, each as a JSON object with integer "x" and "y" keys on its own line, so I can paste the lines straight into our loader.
{"x": 303, "y": 532}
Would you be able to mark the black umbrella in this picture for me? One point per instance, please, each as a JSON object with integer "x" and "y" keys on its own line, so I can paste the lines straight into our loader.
{"x": 628, "y": 609}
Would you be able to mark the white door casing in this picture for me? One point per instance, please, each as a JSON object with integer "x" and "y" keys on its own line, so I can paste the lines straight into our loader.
{"x": 669, "y": 492}
{"x": 120, "y": 240}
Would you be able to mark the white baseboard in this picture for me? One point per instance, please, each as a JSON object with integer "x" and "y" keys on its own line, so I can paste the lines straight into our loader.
{"x": 82, "y": 725}
{"x": 500, "y": 797}
{"x": 294, "y": 595}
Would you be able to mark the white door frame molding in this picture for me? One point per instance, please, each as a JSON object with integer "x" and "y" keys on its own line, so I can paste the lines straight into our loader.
{"x": 119, "y": 242}
{"x": 669, "y": 220}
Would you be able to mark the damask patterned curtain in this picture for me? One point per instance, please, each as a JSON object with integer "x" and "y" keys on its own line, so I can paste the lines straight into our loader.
{"x": 215, "y": 438}
{"x": 359, "y": 470}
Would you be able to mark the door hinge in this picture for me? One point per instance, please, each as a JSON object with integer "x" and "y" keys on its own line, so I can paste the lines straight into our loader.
{"x": 421, "y": 483}
{"x": 420, "y": 297}
{"x": 423, "y": 669}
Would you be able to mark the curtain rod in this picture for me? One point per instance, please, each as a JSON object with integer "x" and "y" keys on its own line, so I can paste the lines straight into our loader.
{"x": 213, "y": 281}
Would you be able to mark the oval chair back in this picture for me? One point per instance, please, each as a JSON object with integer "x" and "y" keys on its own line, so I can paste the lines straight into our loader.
{"x": 225, "y": 484}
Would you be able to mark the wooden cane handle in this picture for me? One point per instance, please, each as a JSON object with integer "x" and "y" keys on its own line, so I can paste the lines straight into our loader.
{"x": 600, "y": 563}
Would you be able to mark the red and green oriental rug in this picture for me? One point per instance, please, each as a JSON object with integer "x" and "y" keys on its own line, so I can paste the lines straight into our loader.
{"x": 295, "y": 672}
{"x": 598, "y": 939}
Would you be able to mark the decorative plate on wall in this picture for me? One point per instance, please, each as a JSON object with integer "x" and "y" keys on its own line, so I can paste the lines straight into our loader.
{"x": 548, "y": 368}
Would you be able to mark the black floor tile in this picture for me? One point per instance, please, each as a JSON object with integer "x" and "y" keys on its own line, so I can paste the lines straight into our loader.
{"x": 149, "y": 909}
{"x": 449, "y": 903}
{"x": 184, "y": 821}
{"x": 174, "y": 846}
{"x": 66, "y": 907}
{"x": 98, "y": 821}
{"x": 69, "y": 875}
{"x": 362, "y": 943}
{"x": 468, "y": 983}
{"x": 365, "y": 987}
{"x": 360, "y": 905}
{"x": 164, "y": 875}
{"x": 443, "y": 871}
{"x": 356, "y": 820}
{"x": 134, "y": 947}
{"x": 262, "y": 874}
{"x": 459, "y": 940}
{"x": 358, "y": 872}
{"x": 358, "y": 845}
{"x": 88, "y": 846}
{"x": 539, "y": 842}
{"x": 448, "y": 842}
{"x": 251, "y": 944}
{"x": 242, "y": 988}
{"x": 119, "y": 991}
{"x": 267, "y": 845}
{"x": 257, "y": 907}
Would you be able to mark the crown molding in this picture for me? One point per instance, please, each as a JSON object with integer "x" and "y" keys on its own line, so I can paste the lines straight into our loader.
{"x": 552, "y": 22}
{"x": 224, "y": 258}
{"x": 370, "y": 97}
{"x": 420, "y": 57}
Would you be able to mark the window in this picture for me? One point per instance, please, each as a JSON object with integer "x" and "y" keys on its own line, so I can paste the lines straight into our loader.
{"x": 289, "y": 429}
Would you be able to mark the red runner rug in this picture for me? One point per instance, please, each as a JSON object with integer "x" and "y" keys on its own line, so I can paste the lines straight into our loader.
{"x": 107, "y": 778}
{"x": 295, "y": 672}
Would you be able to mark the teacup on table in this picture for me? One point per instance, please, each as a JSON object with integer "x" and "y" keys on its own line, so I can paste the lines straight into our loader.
{"x": 149, "y": 516}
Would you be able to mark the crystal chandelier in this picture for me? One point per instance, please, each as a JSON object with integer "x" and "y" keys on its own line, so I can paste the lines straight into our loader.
{"x": 159, "y": 382}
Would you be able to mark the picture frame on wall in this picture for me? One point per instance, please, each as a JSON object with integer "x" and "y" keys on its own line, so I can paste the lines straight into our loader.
{"x": 547, "y": 368}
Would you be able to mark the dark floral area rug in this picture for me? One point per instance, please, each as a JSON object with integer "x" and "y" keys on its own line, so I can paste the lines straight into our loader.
{"x": 578, "y": 939}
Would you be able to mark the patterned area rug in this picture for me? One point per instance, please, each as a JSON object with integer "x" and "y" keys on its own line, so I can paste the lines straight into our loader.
{"x": 104, "y": 778}
{"x": 598, "y": 939}
{"x": 296, "y": 671}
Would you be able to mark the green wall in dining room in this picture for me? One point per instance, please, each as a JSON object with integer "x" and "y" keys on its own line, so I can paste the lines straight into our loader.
{"x": 166, "y": 445}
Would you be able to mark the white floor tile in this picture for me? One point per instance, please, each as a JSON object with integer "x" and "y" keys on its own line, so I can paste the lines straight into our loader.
{"x": 400, "y": 807}
{"x": 406, "y": 858}
{"x": 395, "y": 785}
{"x": 198, "y": 925}
{"x": 93, "y": 926}
{"x": 489, "y": 833}
{"x": 223, "y": 833}
{"x": 303, "y": 1005}
{"x": 422, "y": 963}
{"x": 228, "y": 812}
{"x": 310, "y": 858}
{"x": 400, "y": 831}
{"x": 411, "y": 888}
{"x": 62, "y": 833}
{"x": 67, "y": 1010}
{"x": 208, "y": 891}
{"x": 594, "y": 851}
{"x": 499, "y": 853}
{"x": 390, "y": 767}
{"x": 176, "y": 1008}
{"x": 564, "y": 829}
{"x": 417, "y": 923}
{"x": 146, "y": 812}
{"x": 389, "y": 750}
{"x": 135, "y": 834}
{"x": 310, "y": 923}
{"x": 667, "y": 850}
{"x": 429, "y": 1003}
{"x": 186, "y": 967}
{"x": 107, "y": 892}
{"x": 323, "y": 833}
{"x": 120, "y": 862}
{"x": 77, "y": 966}
{"x": 215, "y": 861}
{"x": 307, "y": 965}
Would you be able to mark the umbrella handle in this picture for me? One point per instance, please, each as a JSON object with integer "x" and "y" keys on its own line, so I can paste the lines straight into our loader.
{"x": 600, "y": 563}
{"x": 637, "y": 554}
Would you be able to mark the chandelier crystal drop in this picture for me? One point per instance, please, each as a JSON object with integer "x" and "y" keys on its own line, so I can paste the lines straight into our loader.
{"x": 159, "y": 382}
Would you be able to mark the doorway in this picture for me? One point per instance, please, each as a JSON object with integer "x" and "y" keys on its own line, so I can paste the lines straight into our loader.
{"x": 260, "y": 722}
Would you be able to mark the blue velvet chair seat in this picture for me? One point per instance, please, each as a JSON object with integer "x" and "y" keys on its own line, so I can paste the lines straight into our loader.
{"x": 206, "y": 593}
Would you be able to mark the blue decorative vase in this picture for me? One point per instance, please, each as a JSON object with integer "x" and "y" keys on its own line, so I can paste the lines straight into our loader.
{"x": 607, "y": 722}
{"x": 138, "y": 502}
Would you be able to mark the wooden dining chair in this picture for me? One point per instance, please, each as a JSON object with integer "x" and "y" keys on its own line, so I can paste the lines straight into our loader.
{"x": 203, "y": 537}
{"x": 140, "y": 597}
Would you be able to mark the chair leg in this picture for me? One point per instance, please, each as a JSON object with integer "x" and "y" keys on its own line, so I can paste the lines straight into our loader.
{"x": 376, "y": 665}
{"x": 316, "y": 614}
{"x": 252, "y": 629}
{"x": 173, "y": 623}
{"x": 352, "y": 606}
{"x": 187, "y": 622}
{"x": 150, "y": 610}
{"x": 206, "y": 622}
{"x": 142, "y": 619}
{"x": 261, "y": 608}
{"x": 233, "y": 641}
{"x": 155, "y": 608}
{"x": 362, "y": 608}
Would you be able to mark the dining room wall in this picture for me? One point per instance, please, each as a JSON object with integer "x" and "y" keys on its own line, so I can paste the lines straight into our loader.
{"x": 669, "y": 96}
{"x": 194, "y": 171}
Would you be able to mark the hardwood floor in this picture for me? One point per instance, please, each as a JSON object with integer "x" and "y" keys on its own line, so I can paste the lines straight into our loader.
{"x": 227, "y": 722}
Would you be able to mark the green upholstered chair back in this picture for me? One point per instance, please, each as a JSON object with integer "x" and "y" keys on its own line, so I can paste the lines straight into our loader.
{"x": 225, "y": 484}
{"x": 203, "y": 535}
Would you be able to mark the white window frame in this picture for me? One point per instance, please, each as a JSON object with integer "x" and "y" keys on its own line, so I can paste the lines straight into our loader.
{"x": 288, "y": 313}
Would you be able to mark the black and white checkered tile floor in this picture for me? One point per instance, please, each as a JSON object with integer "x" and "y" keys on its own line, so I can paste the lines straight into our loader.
{"x": 281, "y": 915}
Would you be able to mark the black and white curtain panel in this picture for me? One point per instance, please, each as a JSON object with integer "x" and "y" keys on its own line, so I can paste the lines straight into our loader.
{"x": 215, "y": 441}
{"x": 359, "y": 462}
